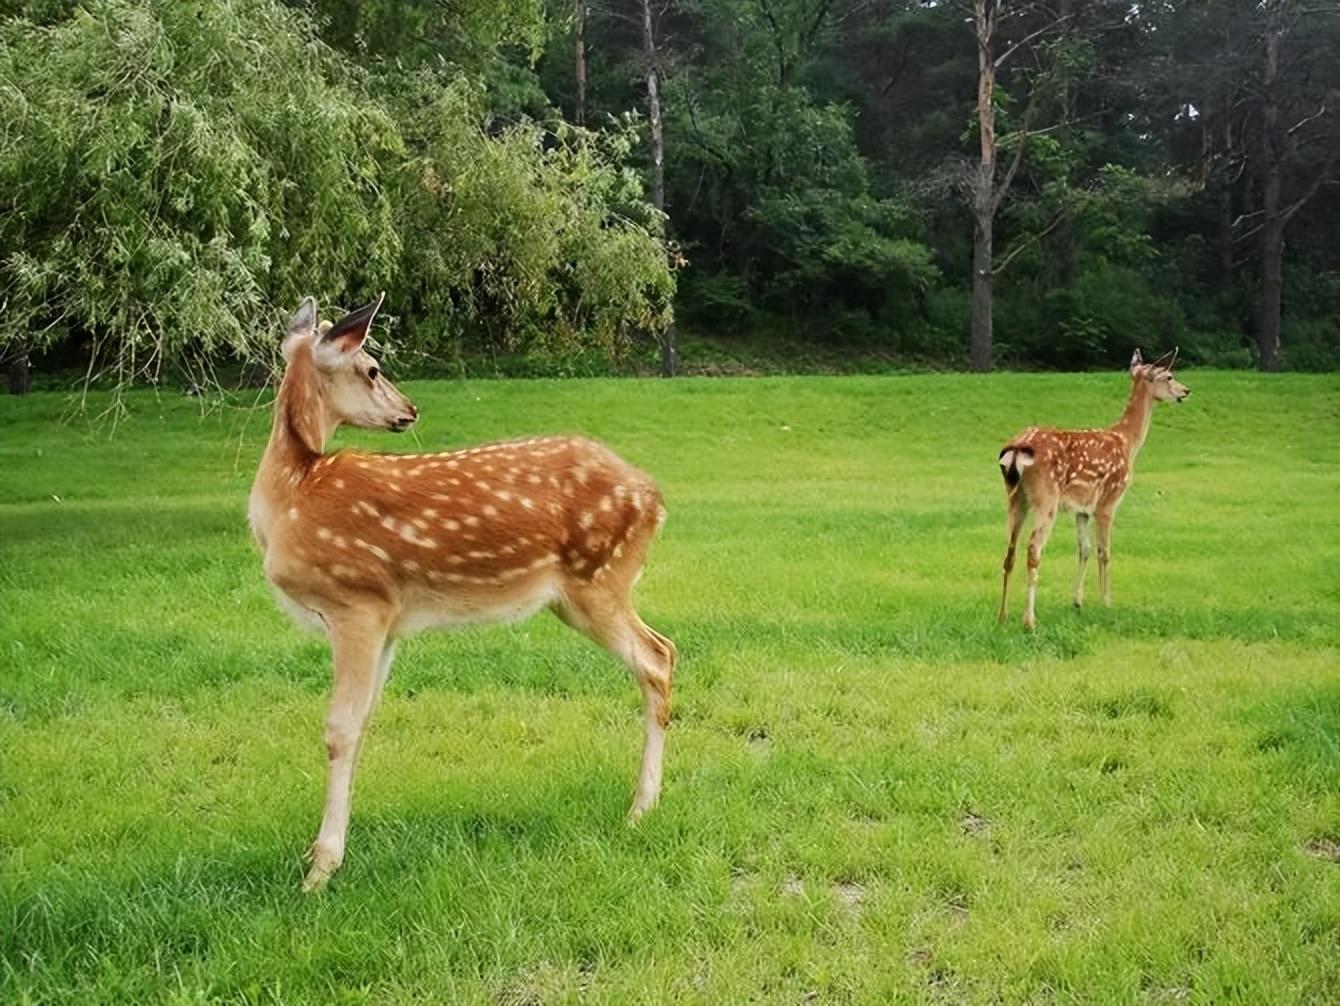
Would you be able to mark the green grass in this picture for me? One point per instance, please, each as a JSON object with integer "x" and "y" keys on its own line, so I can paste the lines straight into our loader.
{"x": 873, "y": 792}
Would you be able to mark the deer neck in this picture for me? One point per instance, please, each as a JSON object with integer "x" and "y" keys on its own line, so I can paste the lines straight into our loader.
{"x": 1134, "y": 422}
{"x": 298, "y": 435}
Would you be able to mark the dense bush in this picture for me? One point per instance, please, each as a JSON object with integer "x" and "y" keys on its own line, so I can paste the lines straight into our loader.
{"x": 175, "y": 171}
{"x": 178, "y": 175}
{"x": 523, "y": 237}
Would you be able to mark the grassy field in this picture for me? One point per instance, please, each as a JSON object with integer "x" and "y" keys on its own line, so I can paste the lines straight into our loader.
{"x": 874, "y": 793}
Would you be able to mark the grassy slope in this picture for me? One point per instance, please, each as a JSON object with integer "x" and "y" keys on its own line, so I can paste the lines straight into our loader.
{"x": 873, "y": 793}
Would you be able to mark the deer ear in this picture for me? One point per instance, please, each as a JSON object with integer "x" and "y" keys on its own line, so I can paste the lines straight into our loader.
{"x": 300, "y": 326}
{"x": 1136, "y": 360}
{"x": 304, "y": 319}
{"x": 337, "y": 344}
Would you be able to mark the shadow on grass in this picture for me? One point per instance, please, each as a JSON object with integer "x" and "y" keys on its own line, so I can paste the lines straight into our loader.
{"x": 1297, "y": 731}
{"x": 970, "y": 632}
{"x": 541, "y": 657}
{"x": 183, "y": 905}
{"x": 85, "y": 527}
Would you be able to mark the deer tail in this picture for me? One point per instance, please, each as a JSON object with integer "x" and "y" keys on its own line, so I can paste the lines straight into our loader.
{"x": 1014, "y": 458}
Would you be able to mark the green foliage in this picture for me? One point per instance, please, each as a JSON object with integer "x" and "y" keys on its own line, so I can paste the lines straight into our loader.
{"x": 808, "y": 236}
{"x": 174, "y": 171}
{"x": 523, "y": 237}
{"x": 1313, "y": 343}
{"x": 717, "y": 301}
{"x": 825, "y": 247}
{"x": 1097, "y": 320}
{"x": 181, "y": 174}
{"x": 403, "y": 34}
{"x": 177, "y": 173}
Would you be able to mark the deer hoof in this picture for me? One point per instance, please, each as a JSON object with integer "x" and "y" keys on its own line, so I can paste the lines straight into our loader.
{"x": 323, "y": 866}
{"x": 316, "y": 879}
{"x": 640, "y": 806}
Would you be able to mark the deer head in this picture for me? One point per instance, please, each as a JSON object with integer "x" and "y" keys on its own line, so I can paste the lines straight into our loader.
{"x": 342, "y": 383}
{"x": 1159, "y": 377}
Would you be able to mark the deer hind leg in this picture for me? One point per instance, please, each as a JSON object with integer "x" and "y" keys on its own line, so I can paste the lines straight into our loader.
{"x": 362, "y": 657}
{"x": 1018, "y": 510}
{"x": 1104, "y": 522}
{"x": 1082, "y": 536}
{"x": 607, "y": 616}
{"x": 1037, "y": 541}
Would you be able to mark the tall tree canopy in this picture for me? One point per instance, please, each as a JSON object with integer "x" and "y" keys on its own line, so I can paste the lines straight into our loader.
{"x": 827, "y": 171}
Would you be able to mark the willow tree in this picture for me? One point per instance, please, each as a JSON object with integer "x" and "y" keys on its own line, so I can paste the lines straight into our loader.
{"x": 172, "y": 172}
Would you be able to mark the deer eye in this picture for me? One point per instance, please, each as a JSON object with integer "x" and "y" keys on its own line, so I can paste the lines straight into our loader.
{"x": 372, "y": 373}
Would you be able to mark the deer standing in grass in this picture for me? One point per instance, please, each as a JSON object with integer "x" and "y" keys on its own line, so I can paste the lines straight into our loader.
{"x": 1087, "y": 471}
{"x": 371, "y": 547}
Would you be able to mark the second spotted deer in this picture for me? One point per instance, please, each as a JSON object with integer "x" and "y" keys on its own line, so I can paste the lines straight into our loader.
{"x": 370, "y": 547}
{"x": 1086, "y": 471}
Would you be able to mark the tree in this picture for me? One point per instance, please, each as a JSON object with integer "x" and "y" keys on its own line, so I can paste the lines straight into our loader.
{"x": 669, "y": 352}
{"x": 171, "y": 172}
{"x": 175, "y": 174}
{"x": 579, "y": 61}
{"x": 988, "y": 189}
{"x": 1284, "y": 151}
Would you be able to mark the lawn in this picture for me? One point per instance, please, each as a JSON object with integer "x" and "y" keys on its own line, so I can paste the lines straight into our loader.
{"x": 873, "y": 794}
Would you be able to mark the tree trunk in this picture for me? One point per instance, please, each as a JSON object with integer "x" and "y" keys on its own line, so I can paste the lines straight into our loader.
{"x": 1272, "y": 286}
{"x": 20, "y": 375}
{"x": 654, "y": 110}
{"x": 980, "y": 353}
{"x": 580, "y": 72}
{"x": 1222, "y": 176}
{"x": 1272, "y": 225}
{"x": 669, "y": 351}
{"x": 983, "y": 196}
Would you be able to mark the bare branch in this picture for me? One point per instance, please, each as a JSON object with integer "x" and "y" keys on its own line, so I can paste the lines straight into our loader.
{"x": 820, "y": 13}
{"x": 777, "y": 42}
{"x": 1306, "y": 119}
{"x": 997, "y": 270}
{"x": 1311, "y": 190}
{"x": 855, "y": 10}
{"x": 1051, "y": 26}
{"x": 1246, "y": 216}
{"x": 999, "y": 196}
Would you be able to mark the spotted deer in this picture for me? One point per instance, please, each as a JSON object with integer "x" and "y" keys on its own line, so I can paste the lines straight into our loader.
{"x": 1086, "y": 471}
{"x": 369, "y": 548}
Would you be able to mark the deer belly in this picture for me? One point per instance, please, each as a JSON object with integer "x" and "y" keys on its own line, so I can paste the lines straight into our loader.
{"x": 451, "y": 609}
{"x": 1081, "y": 497}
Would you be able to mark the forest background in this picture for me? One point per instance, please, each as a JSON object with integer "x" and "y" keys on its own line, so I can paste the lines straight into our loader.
{"x": 592, "y": 187}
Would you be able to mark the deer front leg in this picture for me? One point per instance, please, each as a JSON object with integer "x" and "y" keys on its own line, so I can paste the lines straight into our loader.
{"x": 1104, "y": 521}
{"x": 362, "y": 658}
{"x": 1037, "y": 541}
{"x": 1082, "y": 534}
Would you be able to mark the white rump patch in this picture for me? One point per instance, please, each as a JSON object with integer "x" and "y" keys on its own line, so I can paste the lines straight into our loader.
{"x": 1016, "y": 459}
